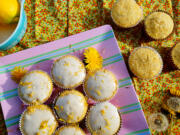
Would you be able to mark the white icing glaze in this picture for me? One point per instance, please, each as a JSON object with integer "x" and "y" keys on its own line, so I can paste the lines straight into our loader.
{"x": 33, "y": 121}
{"x": 71, "y": 105}
{"x": 70, "y": 131}
{"x": 105, "y": 116}
{"x": 68, "y": 71}
{"x": 36, "y": 85}
{"x": 102, "y": 85}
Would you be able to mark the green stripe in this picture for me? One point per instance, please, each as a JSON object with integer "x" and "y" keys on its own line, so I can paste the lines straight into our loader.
{"x": 131, "y": 111}
{"x": 12, "y": 124}
{"x": 122, "y": 80}
{"x": 129, "y": 105}
{"x": 112, "y": 56}
{"x": 3, "y": 93}
{"x": 60, "y": 54}
{"x": 125, "y": 85}
{"x": 113, "y": 62}
{"x": 15, "y": 95}
{"x": 14, "y": 117}
{"x": 140, "y": 131}
{"x": 56, "y": 50}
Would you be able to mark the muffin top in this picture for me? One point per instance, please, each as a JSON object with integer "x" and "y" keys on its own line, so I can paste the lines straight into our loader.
{"x": 71, "y": 106}
{"x": 68, "y": 72}
{"x": 176, "y": 55}
{"x": 159, "y": 25}
{"x": 101, "y": 85}
{"x": 145, "y": 62}
{"x": 126, "y": 13}
{"x": 103, "y": 119}
{"x": 69, "y": 130}
{"x": 35, "y": 87}
{"x": 38, "y": 120}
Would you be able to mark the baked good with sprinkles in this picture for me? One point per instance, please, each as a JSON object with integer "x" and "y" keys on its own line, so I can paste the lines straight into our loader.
{"x": 68, "y": 72}
{"x": 38, "y": 120}
{"x": 35, "y": 87}
{"x": 70, "y": 106}
{"x": 103, "y": 119}
{"x": 100, "y": 85}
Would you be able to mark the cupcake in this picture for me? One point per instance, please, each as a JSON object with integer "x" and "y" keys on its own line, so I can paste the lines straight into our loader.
{"x": 175, "y": 55}
{"x": 145, "y": 62}
{"x": 68, "y": 72}
{"x": 38, "y": 120}
{"x": 100, "y": 85}
{"x": 159, "y": 25}
{"x": 103, "y": 119}
{"x": 35, "y": 87}
{"x": 69, "y": 130}
{"x": 70, "y": 106}
{"x": 174, "y": 104}
{"x": 126, "y": 13}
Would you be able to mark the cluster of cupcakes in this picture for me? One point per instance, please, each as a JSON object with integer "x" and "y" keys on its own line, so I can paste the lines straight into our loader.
{"x": 70, "y": 106}
{"x": 145, "y": 62}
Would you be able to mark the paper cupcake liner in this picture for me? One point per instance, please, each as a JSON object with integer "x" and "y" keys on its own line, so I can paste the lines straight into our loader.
{"x": 86, "y": 121}
{"x": 171, "y": 59}
{"x": 101, "y": 100}
{"x": 22, "y": 118}
{"x": 151, "y": 38}
{"x": 61, "y": 85}
{"x": 56, "y": 114}
{"x": 29, "y": 103}
{"x": 158, "y": 56}
{"x": 130, "y": 26}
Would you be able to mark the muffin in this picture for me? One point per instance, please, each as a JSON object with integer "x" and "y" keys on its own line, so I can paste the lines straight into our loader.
{"x": 126, "y": 13}
{"x": 175, "y": 55}
{"x": 69, "y": 130}
{"x": 159, "y": 25}
{"x": 103, "y": 119}
{"x": 68, "y": 72}
{"x": 35, "y": 87}
{"x": 100, "y": 85}
{"x": 145, "y": 62}
{"x": 38, "y": 120}
{"x": 70, "y": 106}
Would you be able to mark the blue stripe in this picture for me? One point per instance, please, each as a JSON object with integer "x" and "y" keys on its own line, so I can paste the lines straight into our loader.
{"x": 112, "y": 59}
{"x": 130, "y": 108}
{"x": 125, "y": 82}
{"x": 8, "y": 94}
{"x": 59, "y": 52}
{"x": 144, "y": 133}
{"x": 12, "y": 121}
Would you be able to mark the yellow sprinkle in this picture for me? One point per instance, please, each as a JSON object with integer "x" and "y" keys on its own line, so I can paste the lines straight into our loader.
{"x": 17, "y": 73}
{"x": 66, "y": 63}
{"x": 102, "y": 112}
{"x": 31, "y": 94}
{"x": 98, "y": 92}
{"x": 44, "y": 125}
{"x": 25, "y": 83}
{"x": 56, "y": 107}
{"x": 107, "y": 124}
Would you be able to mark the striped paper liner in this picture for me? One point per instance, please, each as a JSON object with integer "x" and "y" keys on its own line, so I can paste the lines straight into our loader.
{"x": 41, "y": 57}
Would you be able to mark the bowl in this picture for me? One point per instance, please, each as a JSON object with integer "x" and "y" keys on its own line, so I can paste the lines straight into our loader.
{"x": 18, "y": 32}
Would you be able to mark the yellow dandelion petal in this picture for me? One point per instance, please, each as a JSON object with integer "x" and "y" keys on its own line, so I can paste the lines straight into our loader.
{"x": 17, "y": 73}
{"x": 93, "y": 59}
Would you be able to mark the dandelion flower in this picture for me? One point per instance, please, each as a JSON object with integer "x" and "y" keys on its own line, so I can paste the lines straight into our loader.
{"x": 174, "y": 103}
{"x": 93, "y": 59}
{"x": 158, "y": 122}
{"x": 17, "y": 73}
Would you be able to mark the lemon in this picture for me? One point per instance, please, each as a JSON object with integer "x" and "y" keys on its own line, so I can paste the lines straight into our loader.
{"x": 9, "y": 11}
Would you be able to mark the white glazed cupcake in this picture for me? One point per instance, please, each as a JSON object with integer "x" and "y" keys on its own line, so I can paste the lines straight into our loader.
{"x": 38, "y": 120}
{"x": 68, "y": 72}
{"x": 35, "y": 87}
{"x": 100, "y": 85}
{"x": 103, "y": 119}
{"x": 71, "y": 106}
{"x": 69, "y": 130}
